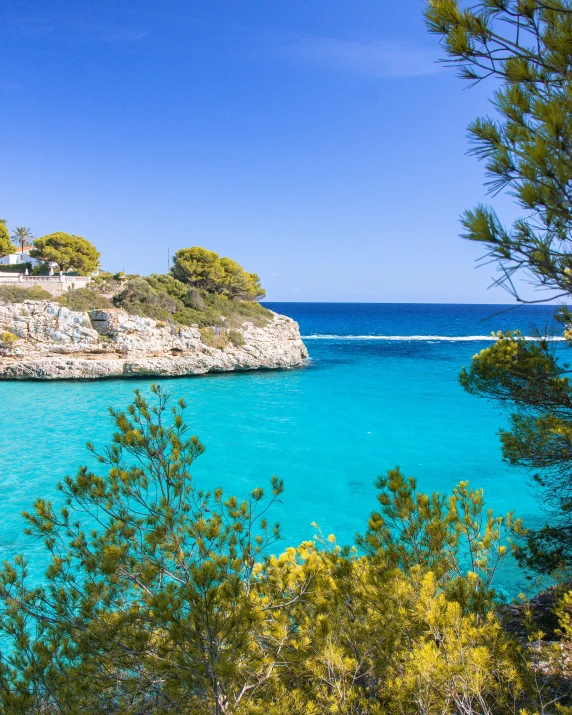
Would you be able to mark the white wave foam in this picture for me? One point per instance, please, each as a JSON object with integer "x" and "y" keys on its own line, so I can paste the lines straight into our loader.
{"x": 418, "y": 338}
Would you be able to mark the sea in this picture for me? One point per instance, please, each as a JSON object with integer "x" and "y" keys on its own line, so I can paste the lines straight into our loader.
{"x": 380, "y": 390}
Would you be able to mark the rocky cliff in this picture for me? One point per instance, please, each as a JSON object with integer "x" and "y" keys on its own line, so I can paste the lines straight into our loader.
{"x": 55, "y": 343}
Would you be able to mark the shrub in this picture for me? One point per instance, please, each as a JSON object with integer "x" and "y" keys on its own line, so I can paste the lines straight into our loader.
{"x": 165, "y": 283}
{"x": 214, "y": 338}
{"x": 236, "y": 338}
{"x": 235, "y": 312}
{"x": 84, "y": 299}
{"x": 174, "y": 603}
{"x": 16, "y": 268}
{"x": 139, "y": 297}
{"x": 242, "y": 311}
{"x": 193, "y": 299}
{"x": 8, "y": 339}
{"x": 203, "y": 318}
{"x": 15, "y": 294}
{"x": 107, "y": 284}
{"x": 103, "y": 276}
{"x": 163, "y": 297}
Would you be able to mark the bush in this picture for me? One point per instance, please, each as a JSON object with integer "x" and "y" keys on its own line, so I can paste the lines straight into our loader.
{"x": 242, "y": 311}
{"x": 193, "y": 299}
{"x": 203, "y": 318}
{"x": 106, "y": 283}
{"x": 174, "y": 603}
{"x": 233, "y": 313}
{"x": 8, "y": 339}
{"x": 214, "y": 338}
{"x": 139, "y": 297}
{"x": 84, "y": 299}
{"x": 164, "y": 283}
{"x": 103, "y": 276}
{"x": 15, "y": 294}
{"x": 236, "y": 338}
{"x": 163, "y": 297}
{"x": 16, "y": 268}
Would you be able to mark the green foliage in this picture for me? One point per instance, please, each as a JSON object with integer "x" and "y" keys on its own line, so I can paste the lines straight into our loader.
{"x": 194, "y": 300}
{"x": 107, "y": 283}
{"x": 207, "y": 271}
{"x": 84, "y": 299}
{"x": 163, "y": 297}
{"x": 527, "y": 150}
{"x": 445, "y": 535}
{"x": 527, "y": 377}
{"x": 8, "y": 340}
{"x": 139, "y": 297}
{"x": 15, "y": 294}
{"x": 160, "y": 597}
{"x": 165, "y": 283}
{"x": 103, "y": 276}
{"x": 21, "y": 237}
{"x": 6, "y": 246}
{"x": 215, "y": 337}
{"x": 198, "y": 267}
{"x": 240, "y": 284}
{"x": 15, "y": 267}
{"x": 236, "y": 338}
{"x": 69, "y": 252}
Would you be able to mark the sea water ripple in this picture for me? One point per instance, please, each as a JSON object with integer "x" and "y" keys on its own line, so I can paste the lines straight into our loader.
{"x": 362, "y": 405}
{"x": 427, "y": 338}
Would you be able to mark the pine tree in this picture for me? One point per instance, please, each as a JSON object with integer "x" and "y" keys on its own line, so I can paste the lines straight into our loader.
{"x": 527, "y": 150}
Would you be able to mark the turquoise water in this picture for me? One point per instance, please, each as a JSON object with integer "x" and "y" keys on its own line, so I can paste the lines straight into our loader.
{"x": 376, "y": 394}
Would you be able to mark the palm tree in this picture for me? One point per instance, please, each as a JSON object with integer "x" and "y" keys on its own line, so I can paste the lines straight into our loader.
{"x": 21, "y": 236}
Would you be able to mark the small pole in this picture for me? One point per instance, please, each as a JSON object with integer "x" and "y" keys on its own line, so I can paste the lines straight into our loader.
{"x": 168, "y": 258}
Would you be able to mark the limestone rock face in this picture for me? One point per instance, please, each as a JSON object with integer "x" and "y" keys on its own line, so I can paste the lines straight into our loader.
{"x": 55, "y": 342}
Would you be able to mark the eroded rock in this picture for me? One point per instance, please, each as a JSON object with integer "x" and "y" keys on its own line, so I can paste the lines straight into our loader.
{"x": 58, "y": 343}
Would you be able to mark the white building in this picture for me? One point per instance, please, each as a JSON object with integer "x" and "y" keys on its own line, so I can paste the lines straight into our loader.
{"x": 13, "y": 258}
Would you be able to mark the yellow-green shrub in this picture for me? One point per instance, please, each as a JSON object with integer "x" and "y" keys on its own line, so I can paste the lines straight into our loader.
{"x": 174, "y": 604}
{"x": 8, "y": 339}
{"x": 214, "y": 338}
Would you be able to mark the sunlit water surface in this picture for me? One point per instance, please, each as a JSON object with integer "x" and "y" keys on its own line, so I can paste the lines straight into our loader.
{"x": 380, "y": 390}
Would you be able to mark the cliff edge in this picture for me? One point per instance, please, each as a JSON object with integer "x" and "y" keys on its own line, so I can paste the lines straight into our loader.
{"x": 42, "y": 340}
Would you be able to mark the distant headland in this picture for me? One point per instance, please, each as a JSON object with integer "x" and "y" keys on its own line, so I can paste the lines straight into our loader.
{"x": 61, "y": 317}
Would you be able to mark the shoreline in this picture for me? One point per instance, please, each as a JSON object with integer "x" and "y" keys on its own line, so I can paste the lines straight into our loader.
{"x": 51, "y": 342}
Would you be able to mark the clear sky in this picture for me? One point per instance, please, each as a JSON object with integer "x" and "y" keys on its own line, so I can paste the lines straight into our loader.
{"x": 317, "y": 142}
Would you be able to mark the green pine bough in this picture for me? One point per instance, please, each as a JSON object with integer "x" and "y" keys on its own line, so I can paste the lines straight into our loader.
{"x": 159, "y": 596}
{"x": 526, "y": 146}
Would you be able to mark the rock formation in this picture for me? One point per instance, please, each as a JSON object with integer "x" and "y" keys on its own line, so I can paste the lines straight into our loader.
{"x": 57, "y": 343}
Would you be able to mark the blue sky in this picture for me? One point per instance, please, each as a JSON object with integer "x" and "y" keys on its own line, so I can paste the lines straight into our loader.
{"x": 316, "y": 142}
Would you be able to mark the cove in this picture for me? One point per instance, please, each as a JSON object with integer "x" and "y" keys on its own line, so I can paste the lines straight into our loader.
{"x": 380, "y": 390}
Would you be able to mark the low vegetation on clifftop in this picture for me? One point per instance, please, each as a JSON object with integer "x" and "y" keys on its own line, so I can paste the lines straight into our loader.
{"x": 207, "y": 319}
{"x": 202, "y": 289}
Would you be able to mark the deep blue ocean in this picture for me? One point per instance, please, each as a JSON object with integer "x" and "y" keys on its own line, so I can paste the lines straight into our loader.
{"x": 381, "y": 389}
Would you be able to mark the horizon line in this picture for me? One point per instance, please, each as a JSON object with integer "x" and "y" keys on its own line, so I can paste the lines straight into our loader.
{"x": 410, "y": 302}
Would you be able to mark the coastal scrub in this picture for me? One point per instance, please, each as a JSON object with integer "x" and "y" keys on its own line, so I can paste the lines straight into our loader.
{"x": 161, "y": 596}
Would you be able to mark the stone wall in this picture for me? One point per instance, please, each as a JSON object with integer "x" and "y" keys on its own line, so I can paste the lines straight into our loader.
{"x": 55, "y": 285}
